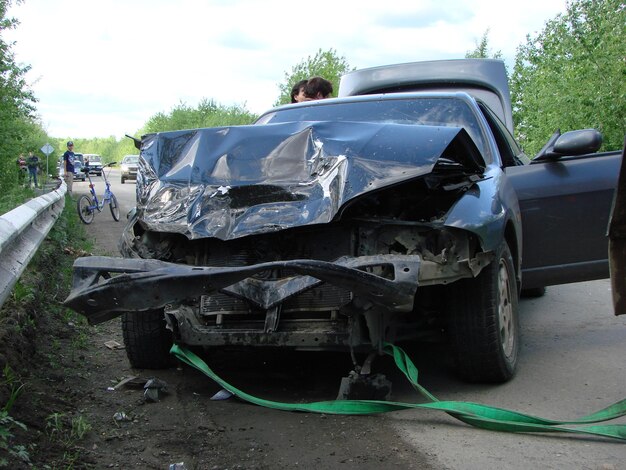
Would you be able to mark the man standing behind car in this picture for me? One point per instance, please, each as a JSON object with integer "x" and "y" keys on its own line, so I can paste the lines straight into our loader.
{"x": 318, "y": 88}
{"x": 68, "y": 159}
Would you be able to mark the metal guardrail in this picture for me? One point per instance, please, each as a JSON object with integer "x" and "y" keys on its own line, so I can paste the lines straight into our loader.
{"x": 21, "y": 232}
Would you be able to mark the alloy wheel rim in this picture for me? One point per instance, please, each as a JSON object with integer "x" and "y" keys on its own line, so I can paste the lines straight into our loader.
{"x": 505, "y": 311}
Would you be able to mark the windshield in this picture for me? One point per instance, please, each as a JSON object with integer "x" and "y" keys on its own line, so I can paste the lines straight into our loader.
{"x": 133, "y": 159}
{"x": 448, "y": 112}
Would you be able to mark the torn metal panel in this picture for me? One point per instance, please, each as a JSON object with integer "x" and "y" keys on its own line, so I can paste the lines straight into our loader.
{"x": 235, "y": 181}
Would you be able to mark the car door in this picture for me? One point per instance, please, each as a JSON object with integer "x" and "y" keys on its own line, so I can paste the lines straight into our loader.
{"x": 565, "y": 205}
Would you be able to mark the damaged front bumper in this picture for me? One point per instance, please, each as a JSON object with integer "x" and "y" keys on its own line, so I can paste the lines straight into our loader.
{"x": 104, "y": 287}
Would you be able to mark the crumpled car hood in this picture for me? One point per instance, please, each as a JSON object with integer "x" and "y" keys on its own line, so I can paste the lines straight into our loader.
{"x": 230, "y": 182}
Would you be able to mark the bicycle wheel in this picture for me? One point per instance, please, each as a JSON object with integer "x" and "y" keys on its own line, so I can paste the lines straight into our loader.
{"x": 85, "y": 209}
{"x": 115, "y": 209}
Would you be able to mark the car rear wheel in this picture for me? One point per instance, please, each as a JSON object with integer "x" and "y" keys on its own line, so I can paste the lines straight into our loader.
{"x": 483, "y": 322}
{"x": 147, "y": 340}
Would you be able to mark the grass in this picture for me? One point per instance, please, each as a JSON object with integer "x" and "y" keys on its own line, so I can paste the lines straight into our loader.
{"x": 7, "y": 423}
{"x": 68, "y": 430}
{"x": 14, "y": 196}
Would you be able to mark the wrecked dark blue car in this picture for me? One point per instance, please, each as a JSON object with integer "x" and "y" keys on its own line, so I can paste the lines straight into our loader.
{"x": 402, "y": 211}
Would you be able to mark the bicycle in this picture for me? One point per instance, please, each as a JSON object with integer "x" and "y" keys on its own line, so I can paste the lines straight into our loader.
{"x": 88, "y": 205}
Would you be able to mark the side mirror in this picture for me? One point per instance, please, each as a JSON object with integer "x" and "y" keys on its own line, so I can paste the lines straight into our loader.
{"x": 571, "y": 143}
{"x": 578, "y": 142}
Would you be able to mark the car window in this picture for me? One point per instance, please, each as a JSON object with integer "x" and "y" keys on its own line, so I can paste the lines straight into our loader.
{"x": 133, "y": 159}
{"x": 449, "y": 112}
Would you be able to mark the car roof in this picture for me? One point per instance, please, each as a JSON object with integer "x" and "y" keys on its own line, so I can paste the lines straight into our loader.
{"x": 484, "y": 79}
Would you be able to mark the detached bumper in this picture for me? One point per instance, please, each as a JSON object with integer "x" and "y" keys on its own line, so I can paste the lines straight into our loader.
{"x": 104, "y": 287}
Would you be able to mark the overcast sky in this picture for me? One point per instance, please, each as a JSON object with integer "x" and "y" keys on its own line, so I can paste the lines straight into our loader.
{"x": 104, "y": 68}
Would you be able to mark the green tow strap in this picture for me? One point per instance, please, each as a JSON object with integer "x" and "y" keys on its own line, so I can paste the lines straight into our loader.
{"x": 481, "y": 416}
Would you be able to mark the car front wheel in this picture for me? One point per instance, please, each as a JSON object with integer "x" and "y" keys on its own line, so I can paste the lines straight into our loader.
{"x": 483, "y": 322}
{"x": 147, "y": 340}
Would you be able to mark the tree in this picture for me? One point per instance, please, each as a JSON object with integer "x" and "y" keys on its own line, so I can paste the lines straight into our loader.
{"x": 572, "y": 75}
{"x": 326, "y": 64}
{"x": 208, "y": 113}
{"x": 17, "y": 106}
{"x": 482, "y": 50}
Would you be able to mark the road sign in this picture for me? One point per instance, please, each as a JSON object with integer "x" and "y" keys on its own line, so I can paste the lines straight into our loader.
{"x": 47, "y": 149}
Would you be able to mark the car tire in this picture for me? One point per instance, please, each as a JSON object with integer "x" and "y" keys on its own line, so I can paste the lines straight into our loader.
{"x": 147, "y": 340}
{"x": 483, "y": 322}
{"x": 122, "y": 180}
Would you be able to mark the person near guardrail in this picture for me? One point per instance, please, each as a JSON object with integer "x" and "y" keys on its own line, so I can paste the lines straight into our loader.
{"x": 21, "y": 168}
{"x": 33, "y": 168}
{"x": 68, "y": 165}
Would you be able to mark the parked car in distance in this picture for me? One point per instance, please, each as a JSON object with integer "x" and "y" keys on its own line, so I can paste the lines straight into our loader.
{"x": 79, "y": 174}
{"x": 128, "y": 168}
{"x": 94, "y": 163}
